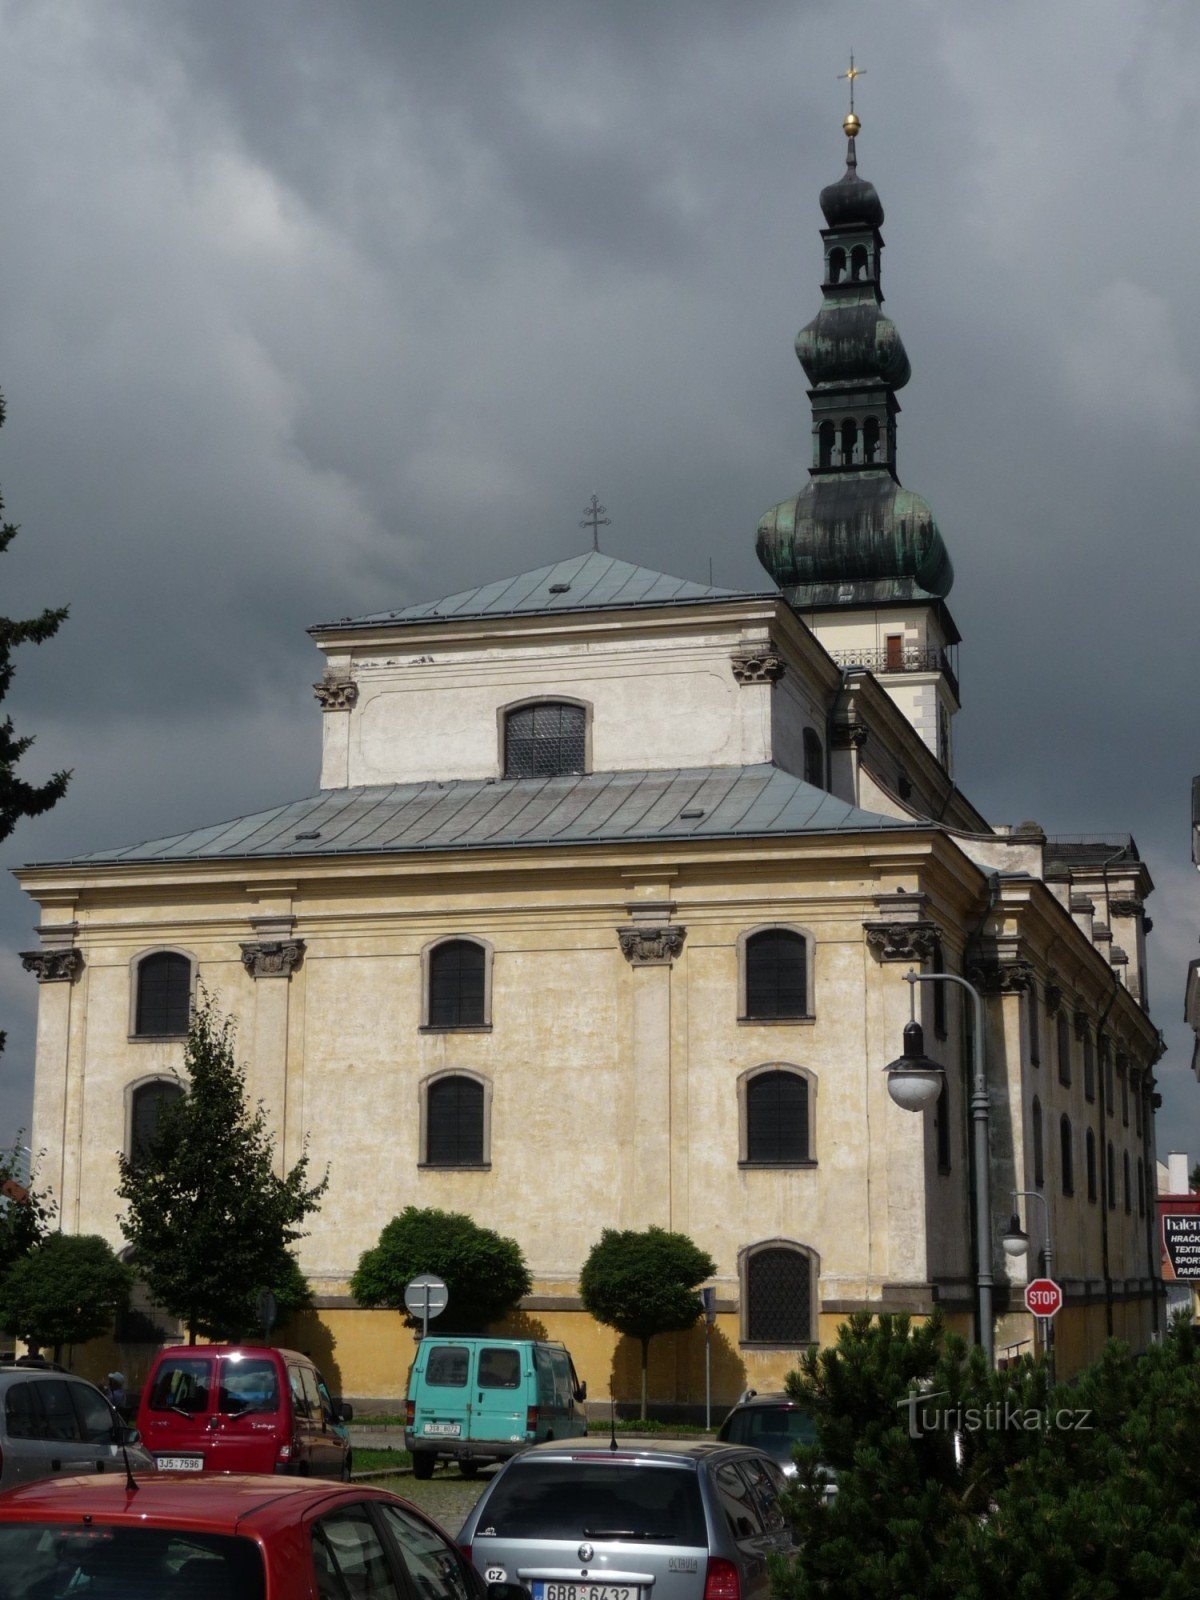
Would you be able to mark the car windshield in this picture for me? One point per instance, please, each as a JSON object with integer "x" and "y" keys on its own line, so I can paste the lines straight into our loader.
{"x": 770, "y": 1428}
{"x": 247, "y": 1384}
{"x": 595, "y": 1500}
{"x": 57, "y": 1561}
{"x": 182, "y": 1384}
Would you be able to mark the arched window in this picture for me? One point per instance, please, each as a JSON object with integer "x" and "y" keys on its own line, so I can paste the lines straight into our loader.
{"x": 775, "y": 976}
{"x": 777, "y": 1295}
{"x": 849, "y": 441}
{"x": 858, "y": 262}
{"x": 1064, "y": 1047}
{"x": 1106, "y": 1070}
{"x": 814, "y": 758}
{"x": 1039, "y": 1170}
{"x": 1135, "y": 1087}
{"x": 1141, "y": 1187}
{"x": 1066, "y": 1155}
{"x": 826, "y": 440}
{"x": 775, "y": 1117}
{"x": 146, "y": 1106}
{"x": 941, "y": 1122}
{"x": 1091, "y": 1165}
{"x": 871, "y": 439}
{"x": 1089, "y": 1068}
{"x": 837, "y": 264}
{"x": 1123, "y": 1078}
{"x": 457, "y": 985}
{"x": 1111, "y": 1175}
{"x": 163, "y": 1003}
{"x": 455, "y": 1122}
{"x": 1033, "y": 1017}
{"x": 1125, "y": 1185}
{"x": 543, "y": 740}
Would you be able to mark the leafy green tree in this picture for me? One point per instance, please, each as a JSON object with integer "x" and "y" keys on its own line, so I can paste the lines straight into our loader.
{"x": 484, "y": 1273}
{"x": 210, "y": 1221}
{"x": 25, "y": 1215}
{"x": 644, "y": 1284}
{"x": 66, "y": 1290}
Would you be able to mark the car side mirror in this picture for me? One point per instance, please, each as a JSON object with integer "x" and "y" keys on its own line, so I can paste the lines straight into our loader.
{"x": 581, "y": 1392}
{"x": 343, "y": 1411}
{"x": 124, "y": 1434}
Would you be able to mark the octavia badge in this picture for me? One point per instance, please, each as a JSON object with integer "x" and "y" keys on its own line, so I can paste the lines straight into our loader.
{"x": 585, "y": 1552}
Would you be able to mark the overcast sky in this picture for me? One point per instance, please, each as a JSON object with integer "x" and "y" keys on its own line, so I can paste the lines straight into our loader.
{"x": 310, "y": 310}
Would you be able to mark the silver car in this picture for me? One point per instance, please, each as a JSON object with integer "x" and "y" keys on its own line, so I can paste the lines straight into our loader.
{"x": 581, "y": 1521}
{"x": 54, "y": 1425}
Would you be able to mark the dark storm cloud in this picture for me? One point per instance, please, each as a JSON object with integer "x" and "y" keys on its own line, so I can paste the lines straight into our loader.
{"x": 312, "y": 310}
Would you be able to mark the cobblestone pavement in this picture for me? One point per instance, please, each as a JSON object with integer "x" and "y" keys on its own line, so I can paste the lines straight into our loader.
{"x": 446, "y": 1497}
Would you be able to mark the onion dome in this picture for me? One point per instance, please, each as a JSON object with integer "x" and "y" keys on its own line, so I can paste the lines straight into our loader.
{"x": 853, "y": 535}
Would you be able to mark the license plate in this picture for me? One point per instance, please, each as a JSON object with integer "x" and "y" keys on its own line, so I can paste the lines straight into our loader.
{"x": 444, "y": 1430}
{"x": 585, "y": 1591}
{"x": 179, "y": 1463}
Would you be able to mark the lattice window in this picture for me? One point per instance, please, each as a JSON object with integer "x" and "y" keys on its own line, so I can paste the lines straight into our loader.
{"x": 1091, "y": 1165}
{"x": 941, "y": 1123}
{"x": 454, "y": 1123}
{"x": 543, "y": 740}
{"x": 1039, "y": 1163}
{"x": 457, "y": 986}
{"x": 779, "y": 1296}
{"x": 776, "y": 975}
{"x": 777, "y": 1117}
{"x": 814, "y": 759}
{"x": 164, "y": 994}
{"x": 1066, "y": 1153}
{"x": 1064, "y": 1048}
{"x": 1089, "y": 1068}
{"x": 147, "y": 1105}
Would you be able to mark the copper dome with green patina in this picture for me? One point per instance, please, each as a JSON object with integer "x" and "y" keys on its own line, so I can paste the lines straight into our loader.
{"x": 853, "y": 535}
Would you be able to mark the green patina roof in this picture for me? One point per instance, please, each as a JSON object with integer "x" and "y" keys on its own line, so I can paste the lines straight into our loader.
{"x": 581, "y": 583}
{"x": 671, "y": 805}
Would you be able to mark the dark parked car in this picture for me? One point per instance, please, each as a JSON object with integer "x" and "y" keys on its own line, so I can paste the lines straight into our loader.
{"x": 54, "y": 1424}
{"x": 776, "y": 1424}
{"x": 579, "y": 1520}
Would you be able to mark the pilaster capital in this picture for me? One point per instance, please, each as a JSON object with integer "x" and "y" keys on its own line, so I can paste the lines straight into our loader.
{"x": 903, "y": 941}
{"x": 992, "y": 976}
{"x": 1124, "y": 906}
{"x": 272, "y": 958}
{"x": 848, "y": 735}
{"x": 646, "y": 945}
{"x": 758, "y": 664}
{"x": 53, "y": 966}
{"x": 336, "y": 694}
{"x": 1054, "y": 996}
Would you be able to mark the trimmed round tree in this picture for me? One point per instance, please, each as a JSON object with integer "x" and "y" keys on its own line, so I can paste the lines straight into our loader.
{"x": 644, "y": 1284}
{"x": 66, "y": 1290}
{"x": 484, "y": 1273}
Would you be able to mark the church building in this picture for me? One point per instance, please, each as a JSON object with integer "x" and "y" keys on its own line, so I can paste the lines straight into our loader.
{"x": 600, "y": 917}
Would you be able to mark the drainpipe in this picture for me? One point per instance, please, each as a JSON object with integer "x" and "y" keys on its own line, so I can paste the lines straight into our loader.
{"x": 1102, "y": 1153}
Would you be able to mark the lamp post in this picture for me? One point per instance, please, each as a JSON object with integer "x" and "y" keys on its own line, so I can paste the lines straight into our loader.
{"x": 914, "y": 1082}
{"x": 1016, "y": 1243}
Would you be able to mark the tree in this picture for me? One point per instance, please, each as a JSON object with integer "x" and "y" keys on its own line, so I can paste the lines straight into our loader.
{"x": 25, "y": 1214}
{"x": 643, "y": 1284}
{"x": 210, "y": 1221}
{"x": 65, "y": 1291}
{"x": 485, "y": 1274}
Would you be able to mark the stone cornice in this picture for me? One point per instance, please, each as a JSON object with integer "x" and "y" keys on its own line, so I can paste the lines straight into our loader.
{"x": 648, "y": 945}
{"x": 53, "y": 966}
{"x": 336, "y": 694}
{"x": 272, "y": 958}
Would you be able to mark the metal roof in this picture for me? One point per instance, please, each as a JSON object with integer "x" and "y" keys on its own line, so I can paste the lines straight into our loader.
{"x": 582, "y": 583}
{"x": 491, "y": 813}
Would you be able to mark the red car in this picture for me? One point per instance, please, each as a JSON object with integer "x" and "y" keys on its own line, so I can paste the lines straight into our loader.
{"x": 209, "y": 1537}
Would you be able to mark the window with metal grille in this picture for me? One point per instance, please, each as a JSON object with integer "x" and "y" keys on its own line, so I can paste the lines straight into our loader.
{"x": 456, "y": 985}
{"x": 543, "y": 740}
{"x": 1066, "y": 1155}
{"x": 1064, "y": 1048}
{"x": 1089, "y": 1068}
{"x": 1111, "y": 1175}
{"x": 164, "y": 994}
{"x": 814, "y": 759}
{"x": 941, "y": 1124}
{"x": 1091, "y": 1165}
{"x": 147, "y": 1105}
{"x": 776, "y": 975}
{"x": 454, "y": 1123}
{"x": 1035, "y": 1024}
{"x": 777, "y": 1117}
{"x": 1125, "y": 1177}
{"x": 779, "y": 1296}
{"x": 1039, "y": 1172}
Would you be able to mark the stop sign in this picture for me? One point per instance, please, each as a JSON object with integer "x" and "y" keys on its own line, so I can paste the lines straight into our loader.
{"x": 1043, "y": 1297}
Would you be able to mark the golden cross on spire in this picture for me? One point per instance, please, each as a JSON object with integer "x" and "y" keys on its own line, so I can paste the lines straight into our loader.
{"x": 854, "y": 72}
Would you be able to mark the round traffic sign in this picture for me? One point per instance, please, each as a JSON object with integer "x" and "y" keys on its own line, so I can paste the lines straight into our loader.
{"x": 425, "y": 1296}
{"x": 1043, "y": 1297}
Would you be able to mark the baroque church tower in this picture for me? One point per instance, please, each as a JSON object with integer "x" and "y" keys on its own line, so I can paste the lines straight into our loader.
{"x": 858, "y": 556}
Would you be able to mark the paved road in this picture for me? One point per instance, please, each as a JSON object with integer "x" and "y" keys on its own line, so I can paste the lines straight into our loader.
{"x": 446, "y": 1497}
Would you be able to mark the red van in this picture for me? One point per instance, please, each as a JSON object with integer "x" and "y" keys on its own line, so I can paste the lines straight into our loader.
{"x": 242, "y": 1408}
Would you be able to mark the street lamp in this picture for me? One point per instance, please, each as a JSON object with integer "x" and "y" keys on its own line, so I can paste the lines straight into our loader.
{"x": 914, "y": 1082}
{"x": 1016, "y": 1243}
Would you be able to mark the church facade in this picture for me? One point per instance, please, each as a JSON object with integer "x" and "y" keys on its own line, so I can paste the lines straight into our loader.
{"x": 600, "y": 918}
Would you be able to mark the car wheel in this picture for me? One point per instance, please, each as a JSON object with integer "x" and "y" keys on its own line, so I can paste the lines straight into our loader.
{"x": 423, "y": 1463}
{"x": 469, "y": 1469}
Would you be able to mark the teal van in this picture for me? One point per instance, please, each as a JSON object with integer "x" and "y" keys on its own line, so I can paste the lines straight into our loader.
{"x": 482, "y": 1400}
